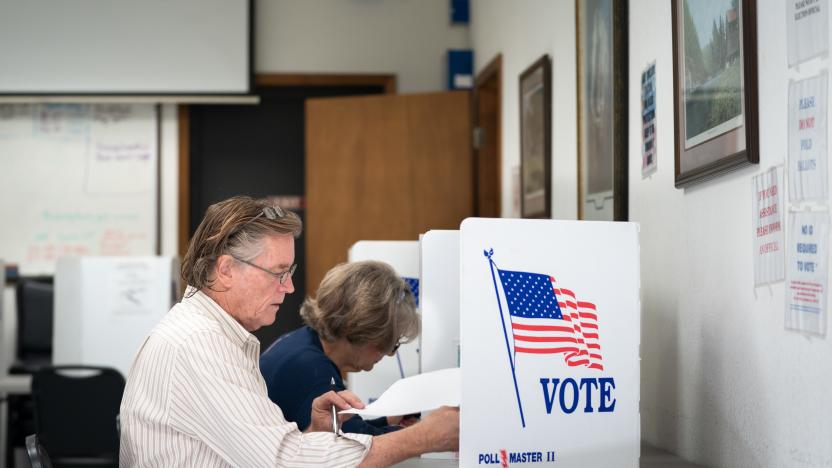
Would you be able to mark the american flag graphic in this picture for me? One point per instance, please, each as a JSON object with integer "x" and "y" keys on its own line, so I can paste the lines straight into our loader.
{"x": 414, "y": 287}
{"x": 548, "y": 319}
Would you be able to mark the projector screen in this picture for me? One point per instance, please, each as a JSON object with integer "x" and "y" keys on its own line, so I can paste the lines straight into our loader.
{"x": 125, "y": 46}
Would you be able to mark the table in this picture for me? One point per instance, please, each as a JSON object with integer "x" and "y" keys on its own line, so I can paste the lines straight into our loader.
{"x": 10, "y": 385}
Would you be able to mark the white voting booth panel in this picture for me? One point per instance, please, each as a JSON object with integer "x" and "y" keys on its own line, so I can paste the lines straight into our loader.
{"x": 106, "y": 306}
{"x": 439, "y": 300}
{"x": 550, "y": 333}
{"x": 403, "y": 256}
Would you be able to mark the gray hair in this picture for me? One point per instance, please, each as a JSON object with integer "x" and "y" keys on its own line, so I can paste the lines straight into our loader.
{"x": 364, "y": 303}
{"x": 237, "y": 227}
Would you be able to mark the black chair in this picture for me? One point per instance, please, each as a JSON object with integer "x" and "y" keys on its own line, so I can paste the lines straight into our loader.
{"x": 38, "y": 457}
{"x": 34, "y": 299}
{"x": 35, "y": 311}
{"x": 76, "y": 414}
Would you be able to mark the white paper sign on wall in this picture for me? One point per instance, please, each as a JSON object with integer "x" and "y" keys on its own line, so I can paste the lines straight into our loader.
{"x": 807, "y": 26}
{"x": 807, "y": 281}
{"x": 403, "y": 256}
{"x": 550, "y": 333}
{"x": 807, "y": 139}
{"x": 767, "y": 206}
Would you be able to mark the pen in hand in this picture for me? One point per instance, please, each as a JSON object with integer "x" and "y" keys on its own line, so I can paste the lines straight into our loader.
{"x": 334, "y": 412}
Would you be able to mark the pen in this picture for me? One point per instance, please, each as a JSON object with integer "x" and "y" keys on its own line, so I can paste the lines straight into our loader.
{"x": 334, "y": 413}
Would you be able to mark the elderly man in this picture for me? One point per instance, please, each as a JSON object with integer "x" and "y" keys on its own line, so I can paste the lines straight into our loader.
{"x": 195, "y": 395}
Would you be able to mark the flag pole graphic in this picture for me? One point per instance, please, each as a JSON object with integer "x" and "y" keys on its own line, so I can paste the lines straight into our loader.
{"x": 399, "y": 360}
{"x": 488, "y": 254}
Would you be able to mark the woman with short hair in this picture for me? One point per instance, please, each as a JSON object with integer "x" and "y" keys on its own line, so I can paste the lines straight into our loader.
{"x": 362, "y": 312}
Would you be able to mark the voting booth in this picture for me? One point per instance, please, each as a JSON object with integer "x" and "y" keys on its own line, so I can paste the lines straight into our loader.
{"x": 106, "y": 306}
{"x": 403, "y": 256}
{"x": 439, "y": 266}
{"x": 550, "y": 333}
{"x": 439, "y": 301}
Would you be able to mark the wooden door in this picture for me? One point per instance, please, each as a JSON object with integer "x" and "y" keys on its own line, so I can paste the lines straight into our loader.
{"x": 487, "y": 135}
{"x": 383, "y": 168}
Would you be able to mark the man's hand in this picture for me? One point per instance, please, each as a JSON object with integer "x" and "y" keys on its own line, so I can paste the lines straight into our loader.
{"x": 438, "y": 432}
{"x": 321, "y": 415}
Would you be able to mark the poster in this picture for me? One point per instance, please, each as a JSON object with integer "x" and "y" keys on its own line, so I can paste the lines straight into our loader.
{"x": 807, "y": 26}
{"x": 648, "y": 120}
{"x": 807, "y": 139}
{"x": 768, "y": 226}
{"x": 806, "y": 283}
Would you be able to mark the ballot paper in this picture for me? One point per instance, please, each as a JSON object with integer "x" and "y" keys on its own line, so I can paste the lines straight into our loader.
{"x": 415, "y": 394}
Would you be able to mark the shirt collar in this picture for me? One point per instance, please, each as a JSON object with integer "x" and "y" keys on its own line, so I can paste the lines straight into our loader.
{"x": 228, "y": 324}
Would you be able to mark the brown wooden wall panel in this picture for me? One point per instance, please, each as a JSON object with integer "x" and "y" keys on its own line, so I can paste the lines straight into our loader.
{"x": 384, "y": 168}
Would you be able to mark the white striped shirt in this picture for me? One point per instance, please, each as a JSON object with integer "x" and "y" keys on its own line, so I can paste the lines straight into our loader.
{"x": 195, "y": 398}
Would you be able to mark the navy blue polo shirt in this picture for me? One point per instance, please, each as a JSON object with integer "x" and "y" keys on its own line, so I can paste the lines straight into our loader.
{"x": 297, "y": 371}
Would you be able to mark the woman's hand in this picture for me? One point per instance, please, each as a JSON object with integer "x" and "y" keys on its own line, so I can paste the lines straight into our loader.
{"x": 403, "y": 421}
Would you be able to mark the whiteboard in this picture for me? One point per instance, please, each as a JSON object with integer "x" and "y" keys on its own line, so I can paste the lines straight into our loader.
{"x": 121, "y": 46}
{"x": 76, "y": 180}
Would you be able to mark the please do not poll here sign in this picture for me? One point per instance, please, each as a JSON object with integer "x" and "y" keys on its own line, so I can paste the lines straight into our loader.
{"x": 550, "y": 333}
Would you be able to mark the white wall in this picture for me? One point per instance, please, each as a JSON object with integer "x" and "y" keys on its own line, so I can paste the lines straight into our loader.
{"x": 407, "y": 37}
{"x": 722, "y": 382}
{"x": 522, "y": 32}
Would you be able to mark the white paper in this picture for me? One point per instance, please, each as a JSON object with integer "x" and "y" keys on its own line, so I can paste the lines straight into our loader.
{"x": 767, "y": 205}
{"x": 807, "y": 139}
{"x": 807, "y": 25}
{"x": 806, "y": 283}
{"x": 415, "y": 394}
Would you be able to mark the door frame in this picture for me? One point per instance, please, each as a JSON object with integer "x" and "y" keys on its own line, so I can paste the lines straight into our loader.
{"x": 493, "y": 70}
{"x": 387, "y": 81}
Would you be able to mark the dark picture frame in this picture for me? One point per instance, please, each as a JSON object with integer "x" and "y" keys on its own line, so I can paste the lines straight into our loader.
{"x": 536, "y": 139}
{"x": 714, "y": 88}
{"x": 602, "y": 68}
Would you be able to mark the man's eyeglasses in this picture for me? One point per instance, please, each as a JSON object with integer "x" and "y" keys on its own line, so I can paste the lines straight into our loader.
{"x": 280, "y": 275}
{"x": 270, "y": 212}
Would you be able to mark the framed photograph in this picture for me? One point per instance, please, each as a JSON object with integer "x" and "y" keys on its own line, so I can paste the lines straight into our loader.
{"x": 714, "y": 87}
{"x": 602, "y": 109}
{"x": 536, "y": 140}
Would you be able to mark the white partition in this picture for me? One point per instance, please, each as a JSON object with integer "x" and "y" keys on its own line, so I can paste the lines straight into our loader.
{"x": 550, "y": 333}
{"x": 439, "y": 283}
{"x": 403, "y": 256}
{"x": 106, "y": 306}
{"x": 439, "y": 289}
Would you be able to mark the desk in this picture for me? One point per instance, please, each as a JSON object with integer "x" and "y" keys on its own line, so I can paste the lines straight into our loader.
{"x": 10, "y": 385}
{"x": 15, "y": 384}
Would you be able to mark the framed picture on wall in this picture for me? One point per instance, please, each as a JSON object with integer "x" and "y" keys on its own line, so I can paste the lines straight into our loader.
{"x": 602, "y": 109}
{"x": 536, "y": 139}
{"x": 714, "y": 87}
